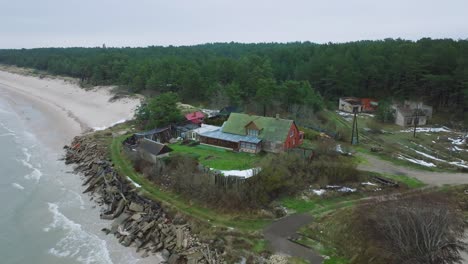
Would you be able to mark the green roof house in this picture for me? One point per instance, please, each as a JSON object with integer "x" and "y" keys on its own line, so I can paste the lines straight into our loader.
{"x": 251, "y": 133}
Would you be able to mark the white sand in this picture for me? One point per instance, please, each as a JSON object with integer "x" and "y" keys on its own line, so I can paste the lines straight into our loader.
{"x": 72, "y": 109}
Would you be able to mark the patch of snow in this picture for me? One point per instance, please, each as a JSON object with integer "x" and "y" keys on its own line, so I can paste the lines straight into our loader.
{"x": 210, "y": 112}
{"x": 340, "y": 150}
{"x": 457, "y": 141}
{"x": 455, "y": 148}
{"x": 427, "y": 129}
{"x": 340, "y": 188}
{"x": 368, "y": 183}
{"x": 319, "y": 192}
{"x": 346, "y": 189}
{"x": 428, "y": 156}
{"x": 460, "y": 163}
{"x": 366, "y": 115}
{"x": 134, "y": 183}
{"x": 416, "y": 161}
{"x": 241, "y": 173}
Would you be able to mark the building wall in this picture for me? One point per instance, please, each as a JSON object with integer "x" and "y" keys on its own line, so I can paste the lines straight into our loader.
{"x": 294, "y": 138}
{"x": 270, "y": 146}
{"x": 403, "y": 121}
{"x": 219, "y": 142}
{"x": 347, "y": 107}
{"x": 399, "y": 119}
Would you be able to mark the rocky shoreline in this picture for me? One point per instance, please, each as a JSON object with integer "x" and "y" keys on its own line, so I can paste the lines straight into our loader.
{"x": 136, "y": 221}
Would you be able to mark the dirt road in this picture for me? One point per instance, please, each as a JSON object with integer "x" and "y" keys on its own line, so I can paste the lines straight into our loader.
{"x": 429, "y": 177}
{"x": 278, "y": 235}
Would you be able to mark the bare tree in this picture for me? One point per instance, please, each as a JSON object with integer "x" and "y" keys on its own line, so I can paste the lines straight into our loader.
{"x": 418, "y": 229}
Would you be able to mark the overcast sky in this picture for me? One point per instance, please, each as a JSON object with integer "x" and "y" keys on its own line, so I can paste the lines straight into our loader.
{"x": 64, "y": 23}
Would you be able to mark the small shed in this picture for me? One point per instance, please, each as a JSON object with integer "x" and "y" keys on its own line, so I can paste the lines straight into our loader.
{"x": 150, "y": 150}
{"x": 162, "y": 135}
{"x": 226, "y": 111}
{"x": 182, "y": 129}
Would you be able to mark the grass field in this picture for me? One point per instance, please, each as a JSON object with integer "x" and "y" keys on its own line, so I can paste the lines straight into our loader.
{"x": 218, "y": 158}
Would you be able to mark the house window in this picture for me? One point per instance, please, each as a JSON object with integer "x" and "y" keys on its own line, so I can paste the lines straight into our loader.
{"x": 291, "y": 133}
{"x": 409, "y": 121}
{"x": 246, "y": 145}
{"x": 252, "y": 132}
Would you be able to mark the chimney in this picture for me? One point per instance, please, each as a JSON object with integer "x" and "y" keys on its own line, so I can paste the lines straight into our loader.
{"x": 277, "y": 116}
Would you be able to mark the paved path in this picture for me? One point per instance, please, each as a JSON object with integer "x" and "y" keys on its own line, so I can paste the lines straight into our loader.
{"x": 429, "y": 177}
{"x": 278, "y": 234}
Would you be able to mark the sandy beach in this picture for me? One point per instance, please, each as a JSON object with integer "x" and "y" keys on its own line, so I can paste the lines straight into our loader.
{"x": 71, "y": 109}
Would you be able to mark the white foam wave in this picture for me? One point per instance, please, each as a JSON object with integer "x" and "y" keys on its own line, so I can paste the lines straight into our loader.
{"x": 6, "y": 128}
{"x": 111, "y": 125}
{"x": 8, "y": 134}
{"x": 17, "y": 186}
{"x": 77, "y": 243}
{"x": 27, "y": 154}
{"x": 35, "y": 174}
{"x": 3, "y": 111}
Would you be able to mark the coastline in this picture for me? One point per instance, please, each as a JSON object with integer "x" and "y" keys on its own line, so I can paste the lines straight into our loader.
{"x": 54, "y": 112}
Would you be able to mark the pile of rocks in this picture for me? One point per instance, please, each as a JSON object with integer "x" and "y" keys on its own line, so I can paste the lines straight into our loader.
{"x": 136, "y": 220}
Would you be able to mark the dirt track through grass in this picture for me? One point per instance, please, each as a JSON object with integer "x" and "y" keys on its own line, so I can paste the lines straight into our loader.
{"x": 429, "y": 177}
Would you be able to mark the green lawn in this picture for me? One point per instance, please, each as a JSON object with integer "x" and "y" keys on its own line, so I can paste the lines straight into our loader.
{"x": 218, "y": 158}
{"x": 317, "y": 206}
{"x": 240, "y": 222}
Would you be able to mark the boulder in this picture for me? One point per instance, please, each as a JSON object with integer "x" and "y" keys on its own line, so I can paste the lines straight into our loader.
{"x": 136, "y": 207}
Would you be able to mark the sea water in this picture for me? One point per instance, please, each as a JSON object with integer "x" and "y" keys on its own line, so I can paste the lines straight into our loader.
{"x": 44, "y": 217}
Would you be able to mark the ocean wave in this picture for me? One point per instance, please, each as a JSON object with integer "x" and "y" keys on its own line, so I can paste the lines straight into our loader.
{"x": 8, "y": 134}
{"x": 6, "y": 128}
{"x": 17, "y": 186}
{"x": 71, "y": 201}
{"x": 3, "y": 111}
{"x": 111, "y": 125}
{"x": 35, "y": 174}
{"x": 27, "y": 154}
{"x": 77, "y": 243}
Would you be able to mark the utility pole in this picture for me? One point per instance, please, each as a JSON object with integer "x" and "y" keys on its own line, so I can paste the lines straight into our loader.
{"x": 355, "y": 133}
{"x": 416, "y": 120}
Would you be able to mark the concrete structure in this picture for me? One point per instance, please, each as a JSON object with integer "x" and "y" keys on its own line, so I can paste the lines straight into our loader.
{"x": 409, "y": 112}
{"x": 357, "y": 105}
{"x": 350, "y": 104}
